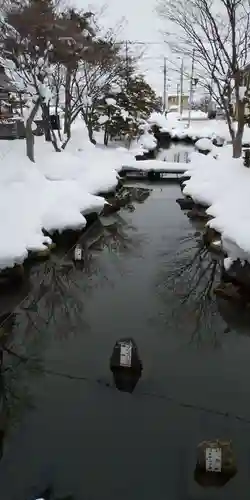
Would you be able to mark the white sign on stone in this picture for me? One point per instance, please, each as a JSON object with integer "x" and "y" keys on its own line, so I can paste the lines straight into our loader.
{"x": 125, "y": 355}
{"x": 213, "y": 459}
{"x": 78, "y": 252}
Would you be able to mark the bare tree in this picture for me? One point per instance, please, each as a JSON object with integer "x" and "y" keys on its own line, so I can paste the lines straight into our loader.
{"x": 93, "y": 78}
{"x": 44, "y": 42}
{"x": 28, "y": 49}
{"x": 217, "y": 32}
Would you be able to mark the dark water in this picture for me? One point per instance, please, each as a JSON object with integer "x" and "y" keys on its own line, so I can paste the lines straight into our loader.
{"x": 91, "y": 440}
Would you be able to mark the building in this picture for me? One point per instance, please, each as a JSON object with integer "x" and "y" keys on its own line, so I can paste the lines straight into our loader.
{"x": 173, "y": 100}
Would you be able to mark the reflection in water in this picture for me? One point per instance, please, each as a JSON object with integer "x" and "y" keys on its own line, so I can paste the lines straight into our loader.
{"x": 56, "y": 306}
{"x": 193, "y": 280}
{"x": 49, "y": 494}
{"x": 56, "y": 301}
{"x": 125, "y": 365}
{"x": 14, "y": 395}
{"x": 69, "y": 414}
{"x": 235, "y": 315}
{"x": 3, "y": 409}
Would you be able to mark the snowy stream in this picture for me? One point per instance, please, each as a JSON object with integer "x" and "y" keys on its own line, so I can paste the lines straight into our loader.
{"x": 90, "y": 440}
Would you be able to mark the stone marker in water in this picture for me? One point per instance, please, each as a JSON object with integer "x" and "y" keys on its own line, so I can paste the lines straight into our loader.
{"x": 125, "y": 365}
{"x": 78, "y": 253}
{"x": 215, "y": 464}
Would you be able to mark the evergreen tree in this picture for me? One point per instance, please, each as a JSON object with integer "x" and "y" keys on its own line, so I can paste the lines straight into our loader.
{"x": 121, "y": 113}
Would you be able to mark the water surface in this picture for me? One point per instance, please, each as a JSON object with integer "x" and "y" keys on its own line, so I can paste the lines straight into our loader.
{"x": 90, "y": 440}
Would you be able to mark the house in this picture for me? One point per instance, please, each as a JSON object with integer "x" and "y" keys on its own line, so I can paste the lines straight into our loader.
{"x": 173, "y": 100}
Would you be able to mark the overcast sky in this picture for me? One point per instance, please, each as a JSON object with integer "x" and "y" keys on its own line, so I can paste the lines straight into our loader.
{"x": 143, "y": 25}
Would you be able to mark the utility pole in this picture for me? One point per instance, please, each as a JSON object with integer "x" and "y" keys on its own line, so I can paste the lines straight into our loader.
{"x": 127, "y": 63}
{"x": 191, "y": 89}
{"x": 164, "y": 84}
{"x": 181, "y": 87}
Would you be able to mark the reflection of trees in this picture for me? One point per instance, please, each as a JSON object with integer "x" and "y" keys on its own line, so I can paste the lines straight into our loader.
{"x": 192, "y": 273}
{"x": 56, "y": 305}
{"x": 14, "y": 395}
{"x": 59, "y": 298}
{"x": 55, "y": 301}
{"x": 119, "y": 236}
{"x": 113, "y": 234}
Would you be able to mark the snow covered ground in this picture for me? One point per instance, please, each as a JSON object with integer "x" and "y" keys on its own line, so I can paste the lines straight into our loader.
{"x": 223, "y": 184}
{"x": 54, "y": 193}
{"x": 199, "y": 128}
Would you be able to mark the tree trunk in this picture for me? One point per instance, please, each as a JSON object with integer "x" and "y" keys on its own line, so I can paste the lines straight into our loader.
{"x": 240, "y": 107}
{"x": 106, "y": 134}
{"x": 51, "y": 137}
{"x": 30, "y": 140}
{"x": 57, "y": 114}
{"x": 237, "y": 146}
{"x": 106, "y": 137}
{"x": 46, "y": 122}
{"x": 237, "y": 140}
{"x": 91, "y": 132}
{"x": 67, "y": 114}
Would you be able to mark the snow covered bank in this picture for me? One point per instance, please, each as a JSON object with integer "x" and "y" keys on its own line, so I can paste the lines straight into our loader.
{"x": 223, "y": 184}
{"x": 204, "y": 145}
{"x": 53, "y": 194}
{"x": 198, "y": 129}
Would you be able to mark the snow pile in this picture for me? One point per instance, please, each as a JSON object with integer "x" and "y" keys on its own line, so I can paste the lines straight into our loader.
{"x": 160, "y": 121}
{"x": 147, "y": 141}
{"x": 52, "y": 194}
{"x": 223, "y": 184}
{"x": 204, "y": 145}
{"x": 103, "y": 119}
